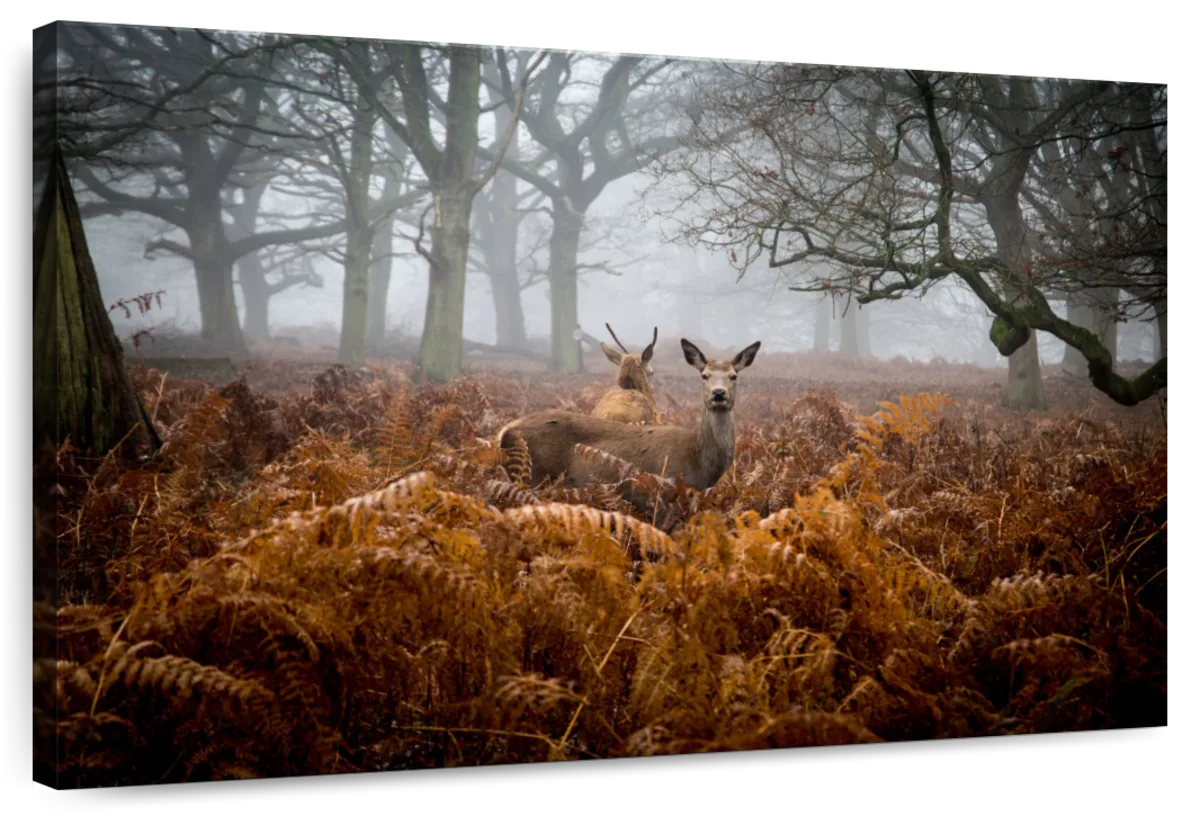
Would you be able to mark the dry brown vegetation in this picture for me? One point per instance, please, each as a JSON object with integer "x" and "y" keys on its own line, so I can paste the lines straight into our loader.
{"x": 329, "y": 572}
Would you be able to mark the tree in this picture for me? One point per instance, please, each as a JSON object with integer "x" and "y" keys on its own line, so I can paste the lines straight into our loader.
{"x": 496, "y": 225}
{"x": 1100, "y": 205}
{"x": 81, "y": 389}
{"x": 189, "y": 150}
{"x": 898, "y": 181}
{"x": 607, "y": 137}
{"x": 263, "y": 274}
{"x": 395, "y": 174}
{"x": 449, "y": 170}
{"x": 166, "y": 122}
{"x": 496, "y": 232}
{"x": 347, "y": 131}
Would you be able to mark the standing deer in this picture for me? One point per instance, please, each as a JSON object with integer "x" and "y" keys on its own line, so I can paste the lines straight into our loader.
{"x": 632, "y": 400}
{"x": 701, "y": 456}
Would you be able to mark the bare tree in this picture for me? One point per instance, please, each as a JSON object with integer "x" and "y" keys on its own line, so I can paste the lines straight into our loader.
{"x": 595, "y": 121}
{"x": 1100, "y": 207}
{"x": 164, "y": 122}
{"x": 897, "y": 181}
{"x": 396, "y": 176}
{"x": 265, "y": 273}
{"x": 341, "y": 107}
{"x": 188, "y": 147}
{"x": 449, "y": 167}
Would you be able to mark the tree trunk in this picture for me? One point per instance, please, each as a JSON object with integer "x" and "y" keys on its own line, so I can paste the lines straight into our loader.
{"x": 502, "y": 266}
{"x": 441, "y": 340}
{"x": 355, "y": 286}
{"x": 848, "y": 324}
{"x": 81, "y": 389}
{"x": 381, "y": 282}
{"x": 564, "y": 292}
{"x": 502, "y": 258}
{"x": 1094, "y": 310}
{"x": 256, "y": 297}
{"x": 1160, "y": 325}
{"x": 510, "y": 316}
{"x": 821, "y": 326}
{"x": 252, "y": 277}
{"x": 1161, "y": 330}
{"x": 864, "y": 330}
{"x": 356, "y": 283}
{"x": 1025, "y": 390}
{"x": 219, "y": 326}
{"x": 383, "y": 246}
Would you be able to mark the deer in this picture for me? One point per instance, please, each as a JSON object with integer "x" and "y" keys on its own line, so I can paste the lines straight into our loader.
{"x": 698, "y": 456}
{"x": 632, "y": 399}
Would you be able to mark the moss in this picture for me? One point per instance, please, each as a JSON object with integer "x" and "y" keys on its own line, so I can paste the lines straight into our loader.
{"x": 1007, "y": 338}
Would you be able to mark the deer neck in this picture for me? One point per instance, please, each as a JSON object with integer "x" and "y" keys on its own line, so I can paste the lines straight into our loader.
{"x": 716, "y": 443}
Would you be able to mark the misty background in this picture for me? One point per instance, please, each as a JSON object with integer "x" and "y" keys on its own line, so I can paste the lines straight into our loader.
{"x": 633, "y": 265}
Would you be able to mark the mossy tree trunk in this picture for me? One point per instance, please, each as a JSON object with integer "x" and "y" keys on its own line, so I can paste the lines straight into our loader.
{"x": 1024, "y": 390}
{"x": 81, "y": 388}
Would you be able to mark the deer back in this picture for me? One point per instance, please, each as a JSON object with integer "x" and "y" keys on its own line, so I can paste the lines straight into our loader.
{"x": 623, "y": 405}
{"x": 551, "y": 437}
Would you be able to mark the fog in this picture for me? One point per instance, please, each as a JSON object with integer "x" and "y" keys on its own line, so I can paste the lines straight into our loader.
{"x": 642, "y": 260}
{"x": 680, "y": 289}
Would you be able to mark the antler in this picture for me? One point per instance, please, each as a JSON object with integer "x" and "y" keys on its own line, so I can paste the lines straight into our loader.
{"x": 614, "y": 337}
{"x": 655, "y": 340}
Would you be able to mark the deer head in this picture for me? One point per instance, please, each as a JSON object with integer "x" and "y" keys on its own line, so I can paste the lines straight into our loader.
{"x": 719, "y": 376}
{"x": 634, "y": 371}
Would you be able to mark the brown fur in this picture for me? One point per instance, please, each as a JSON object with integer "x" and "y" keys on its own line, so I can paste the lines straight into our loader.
{"x": 701, "y": 456}
{"x": 632, "y": 407}
{"x": 632, "y": 400}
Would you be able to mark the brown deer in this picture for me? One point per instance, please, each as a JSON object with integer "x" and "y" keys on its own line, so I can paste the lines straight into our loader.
{"x": 632, "y": 400}
{"x": 700, "y": 456}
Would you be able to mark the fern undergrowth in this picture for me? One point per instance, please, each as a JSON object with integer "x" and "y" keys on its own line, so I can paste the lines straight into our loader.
{"x": 351, "y": 576}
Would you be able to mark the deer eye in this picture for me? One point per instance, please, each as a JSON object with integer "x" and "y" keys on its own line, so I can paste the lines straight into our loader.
{"x": 704, "y": 376}
{"x": 733, "y": 376}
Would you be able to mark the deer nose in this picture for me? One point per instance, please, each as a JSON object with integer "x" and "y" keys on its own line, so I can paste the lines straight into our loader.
{"x": 718, "y": 394}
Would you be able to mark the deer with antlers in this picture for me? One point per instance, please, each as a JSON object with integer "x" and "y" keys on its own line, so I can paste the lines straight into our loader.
{"x": 632, "y": 399}
{"x": 700, "y": 456}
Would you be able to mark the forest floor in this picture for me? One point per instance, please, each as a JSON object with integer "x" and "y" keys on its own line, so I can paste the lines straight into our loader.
{"x": 328, "y": 571}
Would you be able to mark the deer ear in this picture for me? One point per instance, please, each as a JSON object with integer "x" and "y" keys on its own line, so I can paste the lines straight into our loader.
{"x": 695, "y": 358}
{"x": 610, "y": 353}
{"x": 746, "y": 356}
{"x": 648, "y": 351}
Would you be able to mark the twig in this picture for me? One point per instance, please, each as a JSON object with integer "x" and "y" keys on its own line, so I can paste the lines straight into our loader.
{"x": 158, "y": 398}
